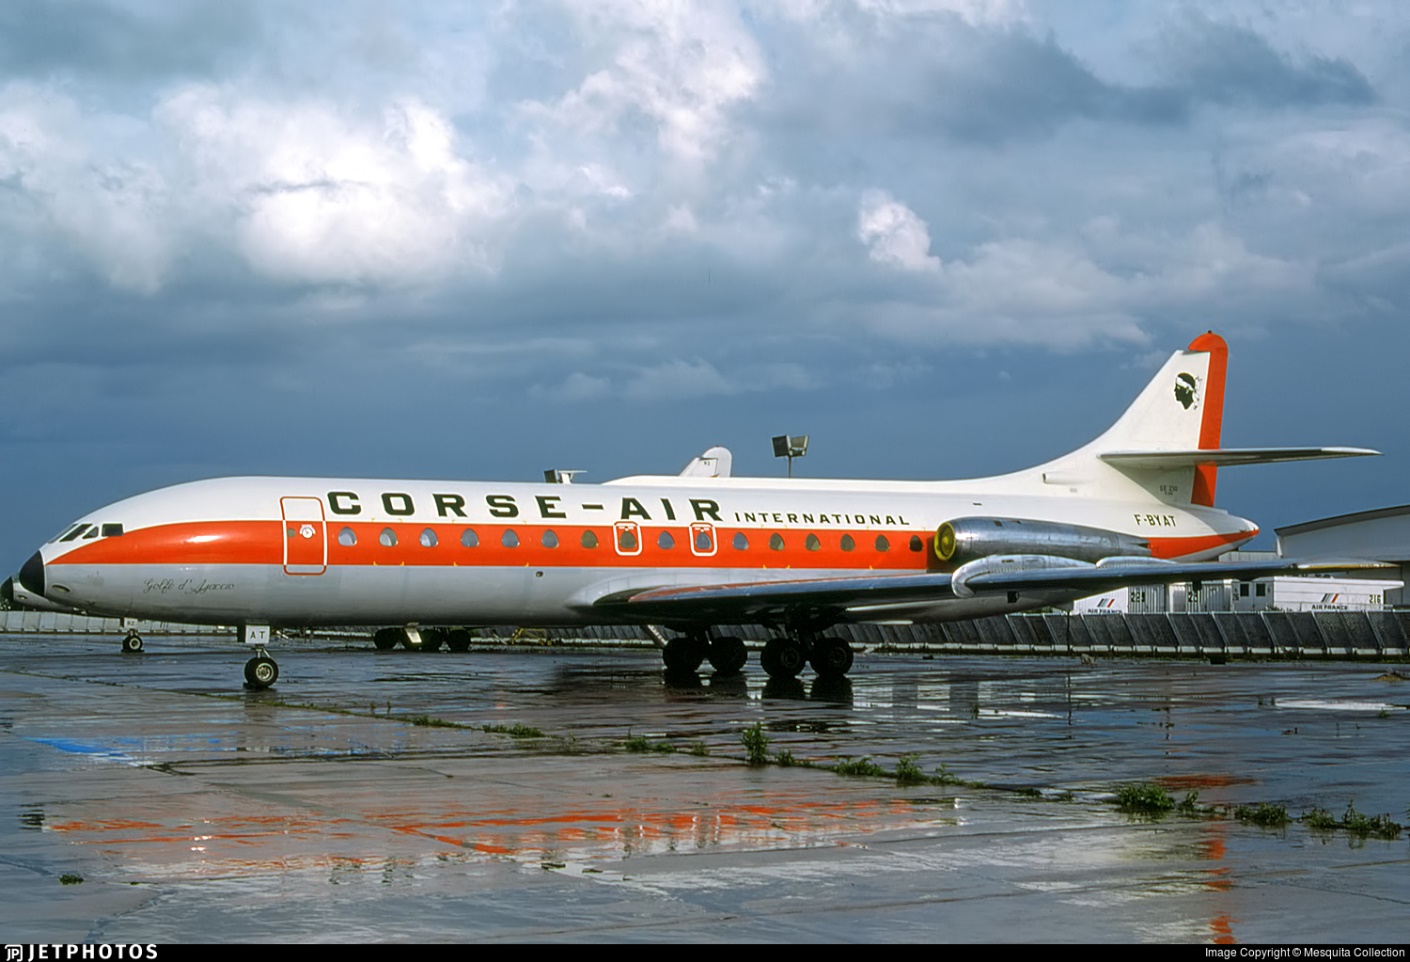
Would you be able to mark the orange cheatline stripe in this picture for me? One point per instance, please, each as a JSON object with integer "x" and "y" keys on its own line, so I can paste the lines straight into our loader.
{"x": 261, "y": 543}
{"x": 1212, "y": 425}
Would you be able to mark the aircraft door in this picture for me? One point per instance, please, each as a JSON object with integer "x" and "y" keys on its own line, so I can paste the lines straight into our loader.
{"x": 305, "y": 536}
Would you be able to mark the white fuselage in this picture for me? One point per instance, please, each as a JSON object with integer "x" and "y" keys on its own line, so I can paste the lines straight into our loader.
{"x": 314, "y": 551}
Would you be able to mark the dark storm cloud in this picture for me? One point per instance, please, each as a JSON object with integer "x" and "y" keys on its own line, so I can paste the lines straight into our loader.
{"x": 994, "y": 83}
{"x": 1228, "y": 64}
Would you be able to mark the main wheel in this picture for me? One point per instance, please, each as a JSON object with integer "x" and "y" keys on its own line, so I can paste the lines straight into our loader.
{"x": 782, "y": 658}
{"x": 832, "y": 657}
{"x": 261, "y": 672}
{"x": 728, "y": 655}
{"x": 132, "y": 643}
{"x": 386, "y": 638}
{"x": 683, "y": 655}
{"x": 431, "y": 639}
{"x": 459, "y": 639}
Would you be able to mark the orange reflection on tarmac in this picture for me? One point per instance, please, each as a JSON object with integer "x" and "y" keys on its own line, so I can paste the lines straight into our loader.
{"x": 367, "y": 839}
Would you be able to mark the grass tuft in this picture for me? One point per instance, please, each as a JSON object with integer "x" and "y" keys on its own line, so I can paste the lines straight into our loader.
{"x": 756, "y": 744}
{"x": 1144, "y": 799}
{"x": 862, "y": 767}
{"x": 908, "y": 772}
{"x": 513, "y": 731}
{"x": 1265, "y": 814}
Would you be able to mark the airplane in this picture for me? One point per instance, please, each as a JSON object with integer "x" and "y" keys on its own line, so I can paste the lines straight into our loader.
{"x": 689, "y": 552}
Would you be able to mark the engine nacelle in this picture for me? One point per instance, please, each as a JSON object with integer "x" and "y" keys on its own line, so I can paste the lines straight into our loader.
{"x": 967, "y": 539}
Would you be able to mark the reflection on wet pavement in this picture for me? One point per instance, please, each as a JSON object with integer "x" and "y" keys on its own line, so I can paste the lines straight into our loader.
{"x": 364, "y": 798}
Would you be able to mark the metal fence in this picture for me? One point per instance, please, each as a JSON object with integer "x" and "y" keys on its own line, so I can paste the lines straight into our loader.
{"x": 1252, "y": 634}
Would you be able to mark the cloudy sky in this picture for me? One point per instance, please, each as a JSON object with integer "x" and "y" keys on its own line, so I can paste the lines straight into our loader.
{"x": 943, "y": 237}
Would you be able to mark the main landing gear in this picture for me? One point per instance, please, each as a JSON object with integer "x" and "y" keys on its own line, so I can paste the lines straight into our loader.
{"x": 132, "y": 644}
{"x": 783, "y": 657}
{"x": 685, "y": 654}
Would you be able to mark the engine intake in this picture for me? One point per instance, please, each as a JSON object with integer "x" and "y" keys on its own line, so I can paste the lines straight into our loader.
{"x": 967, "y": 539}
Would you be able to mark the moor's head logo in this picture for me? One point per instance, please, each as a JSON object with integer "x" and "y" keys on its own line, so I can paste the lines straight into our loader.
{"x": 1186, "y": 390}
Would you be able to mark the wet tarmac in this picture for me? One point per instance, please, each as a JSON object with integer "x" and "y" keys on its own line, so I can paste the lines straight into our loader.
{"x": 335, "y": 807}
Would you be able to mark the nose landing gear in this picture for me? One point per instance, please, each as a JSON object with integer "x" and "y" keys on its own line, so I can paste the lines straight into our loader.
{"x": 261, "y": 671}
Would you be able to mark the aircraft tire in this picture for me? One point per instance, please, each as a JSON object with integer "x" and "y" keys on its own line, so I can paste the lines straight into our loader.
{"x": 431, "y": 639}
{"x": 832, "y": 657}
{"x": 782, "y": 658}
{"x": 458, "y": 639}
{"x": 683, "y": 655}
{"x": 728, "y": 656}
{"x": 261, "y": 671}
{"x": 386, "y": 638}
{"x": 132, "y": 644}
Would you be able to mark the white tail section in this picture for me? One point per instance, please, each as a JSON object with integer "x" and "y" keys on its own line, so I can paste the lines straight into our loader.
{"x": 1181, "y": 410}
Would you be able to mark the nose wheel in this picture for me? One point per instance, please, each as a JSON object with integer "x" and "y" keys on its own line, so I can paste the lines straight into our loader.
{"x": 132, "y": 643}
{"x": 261, "y": 671}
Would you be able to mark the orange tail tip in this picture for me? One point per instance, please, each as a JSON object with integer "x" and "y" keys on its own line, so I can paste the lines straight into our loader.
{"x": 1212, "y": 425}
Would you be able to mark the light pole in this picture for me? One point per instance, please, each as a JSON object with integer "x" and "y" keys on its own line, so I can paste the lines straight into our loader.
{"x": 790, "y": 447}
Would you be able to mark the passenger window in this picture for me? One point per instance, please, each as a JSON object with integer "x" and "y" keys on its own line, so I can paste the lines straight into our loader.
{"x": 112, "y": 530}
{"x": 665, "y": 541}
{"x": 813, "y": 543}
{"x": 469, "y": 539}
{"x": 626, "y": 539}
{"x": 916, "y": 543}
{"x": 388, "y": 538}
{"x": 509, "y": 539}
{"x": 549, "y": 539}
{"x": 428, "y": 538}
{"x": 776, "y": 541}
{"x": 347, "y": 537}
{"x": 847, "y": 543}
{"x": 703, "y": 541}
{"x": 589, "y": 539}
{"x": 882, "y": 544}
{"x": 741, "y": 543}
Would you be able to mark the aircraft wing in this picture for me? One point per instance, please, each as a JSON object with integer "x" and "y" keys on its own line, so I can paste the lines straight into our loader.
{"x": 870, "y": 598}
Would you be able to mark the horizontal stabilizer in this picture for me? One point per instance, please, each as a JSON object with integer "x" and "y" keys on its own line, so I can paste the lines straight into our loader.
{"x": 1225, "y": 457}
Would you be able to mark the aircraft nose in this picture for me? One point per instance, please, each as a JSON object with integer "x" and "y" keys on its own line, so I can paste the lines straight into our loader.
{"x": 32, "y": 575}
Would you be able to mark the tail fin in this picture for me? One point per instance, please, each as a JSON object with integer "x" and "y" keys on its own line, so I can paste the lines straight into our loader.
{"x": 1167, "y": 442}
{"x": 1180, "y": 410}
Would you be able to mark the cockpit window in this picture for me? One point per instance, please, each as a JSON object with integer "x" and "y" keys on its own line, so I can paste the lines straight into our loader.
{"x": 91, "y": 533}
{"x": 112, "y": 530}
{"x": 75, "y": 531}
